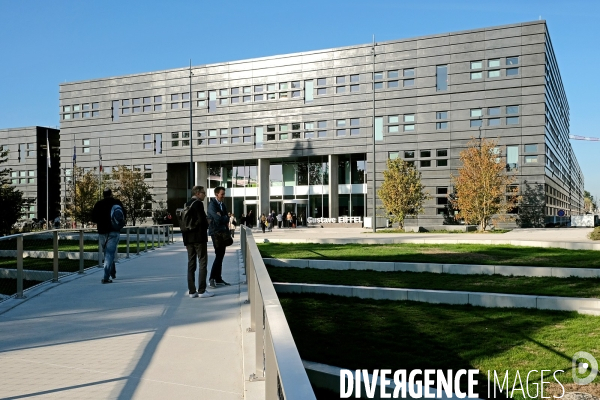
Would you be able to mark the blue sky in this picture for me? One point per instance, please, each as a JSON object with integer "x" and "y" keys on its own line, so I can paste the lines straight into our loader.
{"x": 48, "y": 42}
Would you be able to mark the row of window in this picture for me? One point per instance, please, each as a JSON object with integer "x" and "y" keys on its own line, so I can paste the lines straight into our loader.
{"x": 22, "y": 177}
{"x": 84, "y": 110}
{"x": 495, "y": 63}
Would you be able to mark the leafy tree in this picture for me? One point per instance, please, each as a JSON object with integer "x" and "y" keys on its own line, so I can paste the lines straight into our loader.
{"x": 589, "y": 202}
{"x": 12, "y": 203}
{"x": 84, "y": 192}
{"x": 159, "y": 213}
{"x": 402, "y": 192}
{"x": 532, "y": 211}
{"x": 133, "y": 192}
{"x": 481, "y": 184}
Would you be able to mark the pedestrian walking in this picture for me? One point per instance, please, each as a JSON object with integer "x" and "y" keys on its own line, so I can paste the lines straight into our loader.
{"x": 232, "y": 224}
{"x": 109, "y": 216}
{"x": 195, "y": 241}
{"x": 288, "y": 219}
{"x": 279, "y": 220}
{"x": 218, "y": 221}
{"x": 263, "y": 222}
{"x": 250, "y": 219}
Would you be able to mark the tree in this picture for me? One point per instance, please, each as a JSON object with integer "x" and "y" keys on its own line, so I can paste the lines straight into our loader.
{"x": 159, "y": 214}
{"x": 12, "y": 204}
{"x": 589, "y": 202}
{"x": 532, "y": 208}
{"x": 133, "y": 192}
{"x": 482, "y": 183}
{"x": 84, "y": 192}
{"x": 402, "y": 192}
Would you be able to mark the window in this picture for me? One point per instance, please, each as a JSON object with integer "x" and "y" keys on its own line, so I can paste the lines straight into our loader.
{"x": 392, "y": 74}
{"x": 441, "y": 163}
{"x": 76, "y": 107}
{"x": 158, "y": 107}
{"x": 378, "y": 128}
{"x": 295, "y": 135}
{"x": 247, "y": 139}
{"x": 393, "y": 155}
{"x": 175, "y": 135}
{"x": 441, "y": 153}
{"x": 247, "y": 130}
{"x": 512, "y": 156}
{"x": 258, "y": 88}
{"x": 354, "y": 78}
{"x": 321, "y": 91}
{"x": 354, "y": 88}
{"x": 235, "y": 90}
{"x": 494, "y": 111}
{"x": 512, "y": 71}
{"x": 213, "y": 141}
{"x": 408, "y": 128}
{"x": 223, "y": 101}
{"x": 246, "y": 99}
{"x": 321, "y": 81}
{"x": 512, "y": 109}
{"x": 378, "y": 76}
{"x": 409, "y": 117}
{"x": 295, "y": 93}
{"x": 354, "y": 131}
{"x": 308, "y": 91}
{"x": 158, "y": 143}
{"x": 270, "y": 128}
{"x": 247, "y": 89}
{"x": 223, "y": 92}
{"x": 441, "y": 115}
{"x": 340, "y": 79}
{"x": 174, "y": 97}
{"x": 147, "y": 171}
{"x": 425, "y": 153}
{"x": 354, "y": 121}
{"x": 270, "y": 96}
{"x": 235, "y": 131}
{"x": 283, "y": 95}
{"x": 341, "y": 132}
{"x": 258, "y": 97}
{"x": 322, "y": 124}
{"x": 512, "y": 60}
{"x": 476, "y": 64}
{"x": 512, "y": 120}
{"x": 322, "y": 134}
{"x": 174, "y": 106}
{"x": 309, "y": 134}
{"x": 95, "y": 106}
{"x": 258, "y": 135}
{"x": 235, "y": 100}
{"x": 224, "y": 140}
{"x": 426, "y": 163}
{"x": 476, "y": 75}
{"x": 441, "y": 82}
{"x": 68, "y": 116}
{"x": 409, "y": 72}
{"x": 340, "y": 89}
{"x": 393, "y": 129}
{"x": 296, "y": 85}
{"x": 409, "y": 82}
{"x": 409, "y": 154}
{"x": 378, "y": 85}
{"x": 475, "y": 123}
{"x": 476, "y": 112}
{"x": 494, "y": 63}
{"x": 494, "y": 74}
{"x": 309, "y": 125}
{"x": 340, "y": 122}
{"x": 494, "y": 122}
{"x": 392, "y": 84}
{"x": 271, "y": 87}
{"x": 441, "y": 125}
{"x": 66, "y": 108}
{"x": 531, "y": 159}
{"x": 224, "y": 132}
{"x": 530, "y": 148}
{"x": 86, "y": 114}
{"x": 393, "y": 119}
{"x": 75, "y": 115}
{"x": 136, "y": 110}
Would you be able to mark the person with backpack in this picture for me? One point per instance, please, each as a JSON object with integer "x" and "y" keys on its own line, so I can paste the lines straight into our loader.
{"x": 193, "y": 224}
{"x": 109, "y": 216}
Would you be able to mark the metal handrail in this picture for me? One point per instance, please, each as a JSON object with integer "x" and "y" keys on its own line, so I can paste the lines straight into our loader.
{"x": 166, "y": 229}
{"x": 277, "y": 359}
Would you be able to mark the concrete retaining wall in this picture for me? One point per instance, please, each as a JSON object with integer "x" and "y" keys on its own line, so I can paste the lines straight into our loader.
{"x": 581, "y": 305}
{"x": 29, "y": 274}
{"x": 464, "y": 269}
{"x": 69, "y": 255}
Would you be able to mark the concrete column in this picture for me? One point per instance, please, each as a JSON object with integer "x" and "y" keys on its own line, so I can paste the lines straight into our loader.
{"x": 264, "y": 167}
{"x": 202, "y": 179}
{"x": 334, "y": 200}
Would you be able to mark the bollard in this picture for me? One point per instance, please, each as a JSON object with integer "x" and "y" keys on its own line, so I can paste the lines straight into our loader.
{"x": 55, "y": 254}
{"x": 20, "y": 267}
{"x": 81, "y": 251}
{"x": 127, "y": 243}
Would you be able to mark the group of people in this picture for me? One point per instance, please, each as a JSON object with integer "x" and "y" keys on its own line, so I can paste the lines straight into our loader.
{"x": 195, "y": 240}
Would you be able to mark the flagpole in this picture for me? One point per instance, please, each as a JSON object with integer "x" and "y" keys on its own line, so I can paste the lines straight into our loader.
{"x": 47, "y": 172}
{"x": 74, "y": 182}
{"x": 100, "y": 164}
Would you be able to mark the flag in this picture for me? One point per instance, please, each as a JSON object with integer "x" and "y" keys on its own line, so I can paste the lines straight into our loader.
{"x": 100, "y": 155}
{"x": 74, "y": 155}
{"x": 48, "y": 152}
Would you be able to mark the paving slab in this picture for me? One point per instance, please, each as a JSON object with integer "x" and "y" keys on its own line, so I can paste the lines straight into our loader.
{"x": 140, "y": 337}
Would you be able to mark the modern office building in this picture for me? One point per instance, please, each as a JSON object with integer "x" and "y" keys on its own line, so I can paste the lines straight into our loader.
{"x": 295, "y": 132}
{"x": 27, "y": 158}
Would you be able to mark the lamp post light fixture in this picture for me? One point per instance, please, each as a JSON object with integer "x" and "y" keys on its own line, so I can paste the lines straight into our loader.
{"x": 191, "y": 180}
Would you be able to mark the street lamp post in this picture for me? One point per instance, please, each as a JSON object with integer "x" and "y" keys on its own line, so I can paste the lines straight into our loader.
{"x": 191, "y": 182}
{"x": 374, "y": 221}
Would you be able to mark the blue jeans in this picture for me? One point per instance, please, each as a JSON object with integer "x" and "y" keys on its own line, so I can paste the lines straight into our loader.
{"x": 109, "y": 242}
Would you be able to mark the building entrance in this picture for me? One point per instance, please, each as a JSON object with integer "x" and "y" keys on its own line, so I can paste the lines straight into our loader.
{"x": 299, "y": 208}
{"x": 251, "y": 212}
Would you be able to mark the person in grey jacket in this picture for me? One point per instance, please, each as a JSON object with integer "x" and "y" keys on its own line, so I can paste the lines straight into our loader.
{"x": 219, "y": 221}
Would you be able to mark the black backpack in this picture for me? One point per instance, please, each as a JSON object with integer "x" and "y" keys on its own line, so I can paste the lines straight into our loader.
{"x": 188, "y": 219}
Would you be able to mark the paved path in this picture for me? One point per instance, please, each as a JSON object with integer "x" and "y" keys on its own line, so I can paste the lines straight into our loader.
{"x": 578, "y": 235}
{"x": 140, "y": 337}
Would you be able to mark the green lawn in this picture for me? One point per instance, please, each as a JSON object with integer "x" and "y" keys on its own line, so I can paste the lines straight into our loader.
{"x": 542, "y": 286}
{"x": 437, "y": 253}
{"x": 46, "y": 264}
{"x": 375, "y": 334}
{"x": 73, "y": 245}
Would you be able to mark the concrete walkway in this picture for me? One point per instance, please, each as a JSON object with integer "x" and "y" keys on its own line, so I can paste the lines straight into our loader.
{"x": 140, "y": 337}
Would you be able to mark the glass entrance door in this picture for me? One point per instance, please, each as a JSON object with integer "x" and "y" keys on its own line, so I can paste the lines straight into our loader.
{"x": 301, "y": 212}
{"x": 250, "y": 209}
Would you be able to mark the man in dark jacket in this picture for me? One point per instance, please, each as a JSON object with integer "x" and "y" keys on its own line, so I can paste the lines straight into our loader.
{"x": 195, "y": 242}
{"x": 217, "y": 215}
{"x": 109, "y": 238}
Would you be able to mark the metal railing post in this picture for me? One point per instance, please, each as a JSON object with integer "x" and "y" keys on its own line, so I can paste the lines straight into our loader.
{"x": 100, "y": 254}
{"x": 55, "y": 256}
{"x": 152, "y": 245}
{"x": 158, "y": 235}
{"x": 137, "y": 249}
{"x": 81, "y": 261}
{"x": 171, "y": 231}
{"x": 128, "y": 242}
{"x": 271, "y": 374}
{"x": 259, "y": 329}
{"x": 145, "y": 238}
{"x": 20, "y": 267}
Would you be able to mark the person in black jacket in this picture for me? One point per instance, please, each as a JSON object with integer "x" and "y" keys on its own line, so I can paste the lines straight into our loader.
{"x": 195, "y": 242}
{"x": 109, "y": 238}
{"x": 217, "y": 214}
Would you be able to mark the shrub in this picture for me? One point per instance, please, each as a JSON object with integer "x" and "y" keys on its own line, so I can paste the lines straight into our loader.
{"x": 595, "y": 235}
